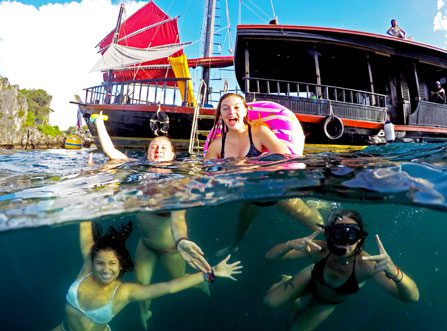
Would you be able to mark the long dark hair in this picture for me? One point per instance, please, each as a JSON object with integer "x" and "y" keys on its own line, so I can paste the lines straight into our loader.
{"x": 218, "y": 119}
{"x": 115, "y": 240}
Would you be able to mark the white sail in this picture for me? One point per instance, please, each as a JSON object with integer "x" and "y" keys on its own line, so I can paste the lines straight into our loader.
{"x": 119, "y": 57}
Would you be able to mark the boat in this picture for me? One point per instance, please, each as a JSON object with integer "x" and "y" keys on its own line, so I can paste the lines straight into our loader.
{"x": 346, "y": 87}
{"x": 147, "y": 89}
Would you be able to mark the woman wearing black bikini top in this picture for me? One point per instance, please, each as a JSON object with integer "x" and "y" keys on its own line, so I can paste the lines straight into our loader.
{"x": 340, "y": 268}
{"x": 239, "y": 138}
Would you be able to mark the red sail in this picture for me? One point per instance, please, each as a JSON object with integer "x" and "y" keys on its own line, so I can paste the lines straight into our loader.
{"x": 164, "y": 31}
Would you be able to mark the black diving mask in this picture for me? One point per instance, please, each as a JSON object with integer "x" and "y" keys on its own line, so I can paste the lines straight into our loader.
{"x": 343, "y": 234}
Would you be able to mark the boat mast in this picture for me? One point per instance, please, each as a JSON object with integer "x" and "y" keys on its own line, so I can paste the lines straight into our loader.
{"x": 208, "y": 43}
{"x": 115, "y": 38}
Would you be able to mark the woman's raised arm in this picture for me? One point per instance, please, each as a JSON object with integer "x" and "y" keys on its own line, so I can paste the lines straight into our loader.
{"x": 390, "y": 277}
{"x": 137, "y": 292}
{"x": 105, "y": 141}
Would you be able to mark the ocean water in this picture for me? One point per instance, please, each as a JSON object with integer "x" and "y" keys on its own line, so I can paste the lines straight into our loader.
{"x": 400, "y": 189}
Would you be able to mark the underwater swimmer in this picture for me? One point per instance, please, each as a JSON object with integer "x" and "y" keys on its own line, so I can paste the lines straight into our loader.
{"x": 340, "y": 268}
{"x": 98, "y": 295}
{"x": 156, "y": 243}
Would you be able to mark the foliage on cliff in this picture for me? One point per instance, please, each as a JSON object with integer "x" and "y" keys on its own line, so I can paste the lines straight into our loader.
{"x": 39, "y": 111}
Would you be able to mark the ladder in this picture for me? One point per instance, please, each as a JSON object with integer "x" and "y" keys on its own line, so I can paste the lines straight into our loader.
{"x": 198, "y": 134}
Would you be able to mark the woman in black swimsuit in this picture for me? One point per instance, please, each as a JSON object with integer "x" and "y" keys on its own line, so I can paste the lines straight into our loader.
{"x": 340, "y": 268}
{"x": 239, "y": 138}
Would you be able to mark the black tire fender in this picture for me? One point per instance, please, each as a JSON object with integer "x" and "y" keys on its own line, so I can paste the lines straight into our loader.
{"x": 333, "y": 127}
{"x": 159, "y": 123}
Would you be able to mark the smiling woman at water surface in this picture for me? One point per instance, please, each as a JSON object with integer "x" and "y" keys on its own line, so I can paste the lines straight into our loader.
{"x": 239, "y": 138}
{"x": 340, "y": 268}
{"x": 98, "y": 295}
{"x": 159, "y": 150}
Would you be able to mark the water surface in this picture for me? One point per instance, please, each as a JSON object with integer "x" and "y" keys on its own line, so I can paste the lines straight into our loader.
{"x": 400, "y": 189}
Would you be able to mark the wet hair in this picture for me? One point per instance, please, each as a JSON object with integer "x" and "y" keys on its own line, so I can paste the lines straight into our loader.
{"x": 113, "y": 240}
{"x": 218, "y": 119}
{"x": 393, "y": 20}
{"x": 353, "y": 215}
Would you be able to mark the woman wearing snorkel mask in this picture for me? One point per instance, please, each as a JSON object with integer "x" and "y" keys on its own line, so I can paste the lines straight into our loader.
{"x": 340, "y": 268}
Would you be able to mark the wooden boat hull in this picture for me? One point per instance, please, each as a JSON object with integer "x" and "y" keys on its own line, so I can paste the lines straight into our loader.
{"x": 129, "y": 126}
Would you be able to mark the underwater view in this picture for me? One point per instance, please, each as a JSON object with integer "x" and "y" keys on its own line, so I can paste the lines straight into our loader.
{"x": 47, "y": 196}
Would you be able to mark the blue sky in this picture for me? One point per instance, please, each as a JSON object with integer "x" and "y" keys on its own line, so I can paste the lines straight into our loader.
{"x": 50, "y": 45}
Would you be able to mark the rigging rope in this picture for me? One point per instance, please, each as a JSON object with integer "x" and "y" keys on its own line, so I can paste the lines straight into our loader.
{"x": 273, "y": 8}
{"x": 267, "y": 16}
{"x": 239, "y": 15}
{"x": 230, "y": 45}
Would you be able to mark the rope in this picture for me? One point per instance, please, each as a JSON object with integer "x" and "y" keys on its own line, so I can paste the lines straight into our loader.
{"x": 259, "y": 9}
{"x": 230, "y": 46}
{"x": 255, "y": 13}
{"x": 239, "y": 10}
{"x": 273, "y": 8}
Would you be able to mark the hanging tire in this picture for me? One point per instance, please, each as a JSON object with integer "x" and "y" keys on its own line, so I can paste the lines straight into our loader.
{"x": 159, "y": 123}
{"x": 333, "y": 127}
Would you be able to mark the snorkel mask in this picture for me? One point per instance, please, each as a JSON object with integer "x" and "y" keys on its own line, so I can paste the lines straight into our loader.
{"x": 344, "y": 234}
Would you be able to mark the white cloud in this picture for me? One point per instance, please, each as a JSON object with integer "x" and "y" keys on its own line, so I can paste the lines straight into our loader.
{"x": 52, "y": 48}
{"x": 440, "y": 19}
{"x": 439, "y": 22}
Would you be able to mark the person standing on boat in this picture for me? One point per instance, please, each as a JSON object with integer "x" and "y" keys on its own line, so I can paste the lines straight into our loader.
{"x": 241, "y": 139}
{"x": 438, "y": 95}
{"x": 156, "y": 243}
{"x": 395, "y": 30}
{"x": 340, "y": 268}
{"x": 98, "y": 295}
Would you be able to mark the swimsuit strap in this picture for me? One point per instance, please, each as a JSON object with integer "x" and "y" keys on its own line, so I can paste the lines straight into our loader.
{"x": 252, "y": 150}
{"x": 249, "y": 136}
{"x": 85, "y": 276}
{"x": 114, "y": 291}
{"x": 222, "y": 149}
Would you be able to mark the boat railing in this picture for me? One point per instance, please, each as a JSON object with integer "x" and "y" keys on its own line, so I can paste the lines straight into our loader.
{"x": 228, "y": 85}
{"x": 429, "y": 114}
{"x": 316, "y": 99}
{"x": 151, "y": 91}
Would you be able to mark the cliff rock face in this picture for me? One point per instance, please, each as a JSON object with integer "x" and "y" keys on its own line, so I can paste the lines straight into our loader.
{"x": 13, "y": 113}
{"x": 24, "y": 117}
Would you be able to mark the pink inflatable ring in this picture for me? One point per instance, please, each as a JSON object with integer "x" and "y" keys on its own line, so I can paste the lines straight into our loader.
{"x": 278, "y": 118}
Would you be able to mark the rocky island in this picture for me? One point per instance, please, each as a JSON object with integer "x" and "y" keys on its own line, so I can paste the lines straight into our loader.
{"x": 24, "y": 118}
